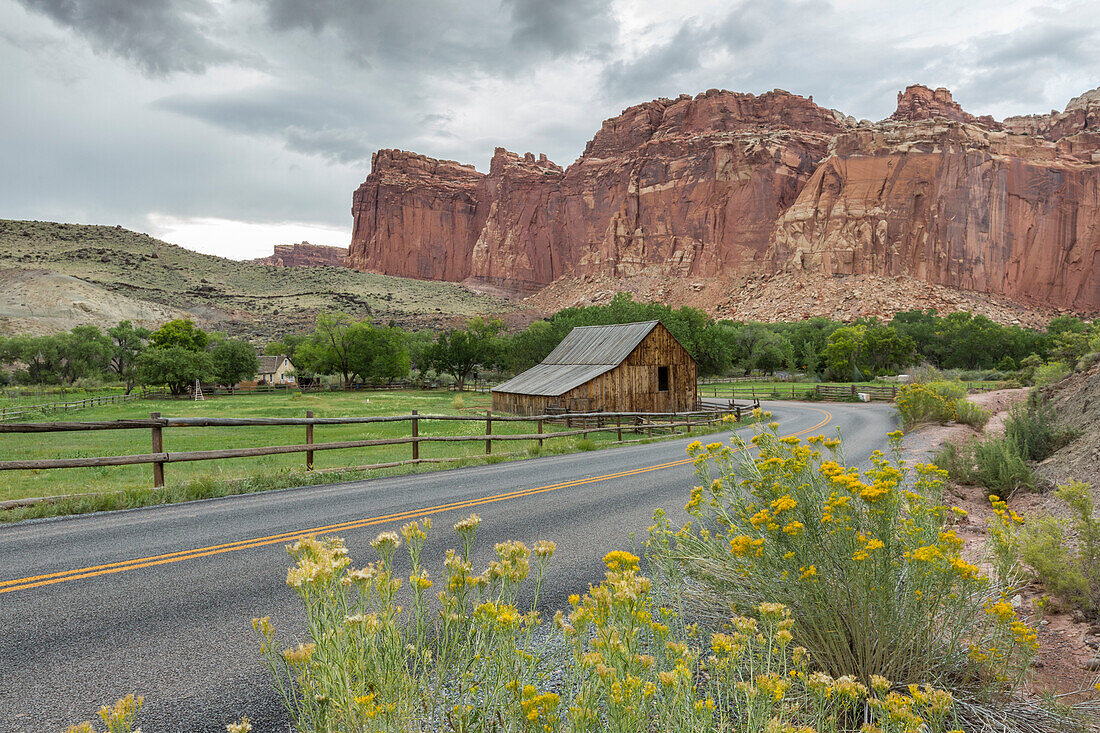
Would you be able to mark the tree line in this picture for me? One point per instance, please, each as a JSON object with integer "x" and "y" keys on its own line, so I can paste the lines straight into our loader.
{"x": 173, "y": 356}
{"x": 179, "y": 352}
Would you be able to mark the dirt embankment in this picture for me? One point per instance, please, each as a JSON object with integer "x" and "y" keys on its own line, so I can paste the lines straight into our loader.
{"x": 1069, "y": 642}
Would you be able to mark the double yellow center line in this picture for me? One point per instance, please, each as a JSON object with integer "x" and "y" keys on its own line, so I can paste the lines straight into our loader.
{"x": 35, "y": 581}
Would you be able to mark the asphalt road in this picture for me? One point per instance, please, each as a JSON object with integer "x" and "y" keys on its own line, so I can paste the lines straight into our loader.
{"x": 159, "y": 601}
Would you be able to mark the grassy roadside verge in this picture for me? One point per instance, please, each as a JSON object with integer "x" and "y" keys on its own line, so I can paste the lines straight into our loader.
{"x": 208, "y": 486}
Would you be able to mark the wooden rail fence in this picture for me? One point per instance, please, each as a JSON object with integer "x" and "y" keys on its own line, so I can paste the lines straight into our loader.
{"x": 15, "y": 413}
{"x": 827, "y": 392}
{"x": 573, "y": 425}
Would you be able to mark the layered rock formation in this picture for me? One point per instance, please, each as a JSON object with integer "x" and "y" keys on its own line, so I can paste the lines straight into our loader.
{"x": 953, "y": 204}
{"x": 305, "y": 254}
{"x": 918, "y": 102}
{"x": 1082, "y": 113}
{"x": 725, "y": 184}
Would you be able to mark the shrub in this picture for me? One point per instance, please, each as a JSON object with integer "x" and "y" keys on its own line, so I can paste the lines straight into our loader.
{"x": 1031, "y": 429}
{"x": 997, "y": 465}
{"x": 871, "y": 567}
{"x": 1071, "y": 575}
{"x": 1049, "y": 373}
{"x": 993, "y": 463}
{"x": 921, "y": 403}
{"x": 458, "y": 402}
{"x": 624, "y": 664}
{"x": 586, "y": 444}
{"x": 970, "y": 414}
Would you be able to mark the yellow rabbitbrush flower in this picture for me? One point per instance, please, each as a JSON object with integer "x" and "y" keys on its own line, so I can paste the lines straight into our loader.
{"x": 620, "y": 560}
{"x": 743, "y": 544}
{"x": 882, "y": 562}
{"x": 783, "y": 503}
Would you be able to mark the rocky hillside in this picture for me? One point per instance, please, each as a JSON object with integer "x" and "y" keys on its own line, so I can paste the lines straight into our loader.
{"x": 56, "y": 276}
{"x": 305, "y": 254}
{"x": 714, "y": 189}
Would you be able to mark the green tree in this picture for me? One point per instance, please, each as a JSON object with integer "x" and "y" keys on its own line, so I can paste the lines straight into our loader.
{"x": 844, "y": 352}
{"x": 1069, "y": 346}
{"x": 41, "y": 357}
{"x": 175, "y": 367}
{"x": 86, "y": 352}
{"x": 377, "y": 353}
{"x": 128, "y": 343}
{"x": 328, "y": 348}
{"x": 886, "y": 350}
{"x": 770, "y": 351}
{"x": 1028, "y": 365}
{"x": 458, "y": 352}
{"x": 181, "y": 332}
{"x": 233, "y": 361}
{"x": 287, "y": 345}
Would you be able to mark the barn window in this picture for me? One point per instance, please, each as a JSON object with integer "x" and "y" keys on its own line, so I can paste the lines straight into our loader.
{"x": 662, "y": 379}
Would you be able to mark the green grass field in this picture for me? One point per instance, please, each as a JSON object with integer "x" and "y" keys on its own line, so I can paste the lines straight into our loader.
{"x": 13, "y": 397}
{"x": 53, "y": 482}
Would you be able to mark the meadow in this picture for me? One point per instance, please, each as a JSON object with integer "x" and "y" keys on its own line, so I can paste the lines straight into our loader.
{"x": 54, "y": 482}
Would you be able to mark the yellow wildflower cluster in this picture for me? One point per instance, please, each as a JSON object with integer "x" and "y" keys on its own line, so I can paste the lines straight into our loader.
{"x": 319, "y": 561}
{"x": 119, "y": 718}
{"x": 540, "y": 709}
{"x": 743, "y": 544}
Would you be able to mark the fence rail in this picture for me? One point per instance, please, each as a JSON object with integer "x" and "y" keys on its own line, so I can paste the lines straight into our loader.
{"x": 574, "y": 424}
{"x": 828, "y": 392}
{"x": 15, "y": 413}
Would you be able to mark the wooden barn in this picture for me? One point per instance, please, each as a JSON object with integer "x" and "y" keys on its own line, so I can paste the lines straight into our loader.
{"x": 629, "y": 367}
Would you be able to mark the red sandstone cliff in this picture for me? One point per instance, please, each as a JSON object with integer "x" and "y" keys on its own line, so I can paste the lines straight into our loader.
{"x": 305, "y": 254}
{"x": 918, "y": 102}
{"x": 693, "y": 185}
{"x": 415, "y": 217}
{"x": 724, "y": 184}
{"x": 953, "y": 204}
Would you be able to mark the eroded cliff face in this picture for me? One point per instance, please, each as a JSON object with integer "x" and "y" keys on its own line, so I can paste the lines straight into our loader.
{"x": 954, "y": 204}
{"x": 691, "y": 185}
{"x": 305, "y": 254}
{"x": 1082, "y": 113}
{"x": 725, "y": 184}
{"x": 415, "y": 217}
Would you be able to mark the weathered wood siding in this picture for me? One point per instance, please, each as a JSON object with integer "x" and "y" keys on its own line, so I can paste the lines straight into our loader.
{"x": 629, "y": 387}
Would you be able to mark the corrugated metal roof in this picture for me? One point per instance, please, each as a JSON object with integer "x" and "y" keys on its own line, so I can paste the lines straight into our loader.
{"x": 600, "y": 344}
{"x": 552, "y": 380}
{"x": 584, "y": 354}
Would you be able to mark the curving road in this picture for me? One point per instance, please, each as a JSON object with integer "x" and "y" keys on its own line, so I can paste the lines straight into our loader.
{"x": 159, "y": 600}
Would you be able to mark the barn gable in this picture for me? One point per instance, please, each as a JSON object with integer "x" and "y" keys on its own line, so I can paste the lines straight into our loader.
{"x": 584, "y": 354}
{"x": 623, "y": 367}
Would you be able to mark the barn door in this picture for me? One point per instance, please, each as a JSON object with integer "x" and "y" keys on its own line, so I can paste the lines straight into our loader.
{"x": 665, "y": 399}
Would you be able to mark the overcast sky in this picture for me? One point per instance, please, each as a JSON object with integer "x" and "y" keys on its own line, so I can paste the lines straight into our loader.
{"x": 228, "y": 126}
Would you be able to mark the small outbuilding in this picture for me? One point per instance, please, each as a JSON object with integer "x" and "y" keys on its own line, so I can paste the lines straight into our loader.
{"x": 627, "y": 367}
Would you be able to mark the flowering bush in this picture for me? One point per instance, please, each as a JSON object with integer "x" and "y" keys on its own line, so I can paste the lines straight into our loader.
{"x": 866, "y": 561}
{"x": 119, "y": 718}
{"x": 932, "y": 402}
{"x": 628, "y": 665}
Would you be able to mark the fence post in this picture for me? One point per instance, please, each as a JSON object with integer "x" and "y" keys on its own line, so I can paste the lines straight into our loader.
{"x": 689, "y": 423}
{"x": 619, "y": 426}
{"x": 309, "y": 441}
{"x": 488, "y": 432}
{"x": 416, "y": 434}
{"x": 158, "y": 447}
{"x": 540, "y": 432}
